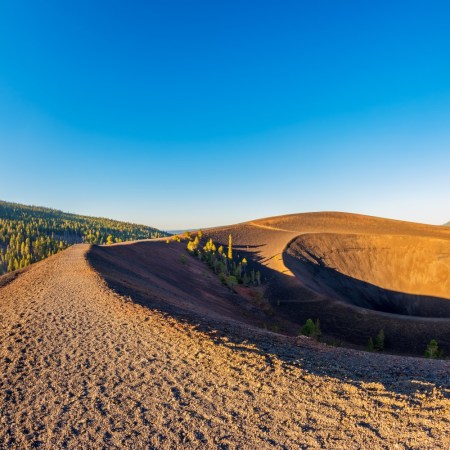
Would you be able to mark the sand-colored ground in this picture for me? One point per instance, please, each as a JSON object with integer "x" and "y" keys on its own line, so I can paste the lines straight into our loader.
{"x": 358, "y": 274}
{"x": 84, "y": 367}
{"x": 407, "y": 275}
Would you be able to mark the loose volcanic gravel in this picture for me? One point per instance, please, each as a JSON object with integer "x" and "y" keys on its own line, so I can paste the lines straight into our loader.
{"x": 84, "y": 368}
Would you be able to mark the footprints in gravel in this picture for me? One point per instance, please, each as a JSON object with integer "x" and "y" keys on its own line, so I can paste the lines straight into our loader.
{"x": 176, "y": 394}
{"x": 100, "y": 406}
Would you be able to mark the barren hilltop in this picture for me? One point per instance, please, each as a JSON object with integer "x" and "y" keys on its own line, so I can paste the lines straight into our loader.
{"x": 358, "y": 274}
{"x": 139, "y": 345}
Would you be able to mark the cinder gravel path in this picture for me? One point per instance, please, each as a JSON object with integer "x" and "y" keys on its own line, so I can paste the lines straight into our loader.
{"x": 83, "y": 368}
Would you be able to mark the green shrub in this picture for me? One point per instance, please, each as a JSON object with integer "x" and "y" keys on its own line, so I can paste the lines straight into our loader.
{"x": 231, "y": 282}
{"x": 309, "y": 328}
{"x": 238, "y": 271}
{"x": 379, "y": 341}
{"x": 432, "y": 351}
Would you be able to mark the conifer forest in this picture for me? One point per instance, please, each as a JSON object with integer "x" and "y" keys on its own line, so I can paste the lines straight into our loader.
{"x": 30, "y": 233}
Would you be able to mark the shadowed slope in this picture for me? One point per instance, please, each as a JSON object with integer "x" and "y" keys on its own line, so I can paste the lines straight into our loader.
{"x": 398, "y": 274}
{"x": 307, "y": 295}
{"x": 164, "y": 276}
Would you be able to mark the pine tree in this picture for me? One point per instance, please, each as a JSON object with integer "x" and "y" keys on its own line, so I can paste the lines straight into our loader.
{"x": 209, "y": 247}
{"x": 191, "y": 247}
{"x": 230, "y": 247}
{"x": 379, "y": 341}
{"x": 318, "y": 331}
{"x": 238, "y": 271}
{"x": 231, "y": 282}
{"x": 432, "y": 350}
{"x": 309, "y": 328}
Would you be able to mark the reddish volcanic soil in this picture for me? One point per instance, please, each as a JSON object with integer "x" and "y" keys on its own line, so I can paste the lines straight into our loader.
{"x": 358, "y": 274}
{"x": 139, "y": 346}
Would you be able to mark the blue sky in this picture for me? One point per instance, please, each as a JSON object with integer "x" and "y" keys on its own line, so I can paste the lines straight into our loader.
{"x": 186, "y": 114}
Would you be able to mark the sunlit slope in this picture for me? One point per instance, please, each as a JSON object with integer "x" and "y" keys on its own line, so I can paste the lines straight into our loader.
{"x": 267, "y": 238}
{"x": 401, "y": 274}
{"x": 388, "y": 255}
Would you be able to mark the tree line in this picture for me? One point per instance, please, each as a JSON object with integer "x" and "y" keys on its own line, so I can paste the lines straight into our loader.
{"x": 29, "y": 234}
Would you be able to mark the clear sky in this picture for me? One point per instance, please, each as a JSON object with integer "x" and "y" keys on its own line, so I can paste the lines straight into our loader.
{"x": 185, "y": 114}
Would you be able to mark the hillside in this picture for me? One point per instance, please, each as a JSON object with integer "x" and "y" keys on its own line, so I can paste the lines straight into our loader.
{"x": 139, "y": 345}
{"x": 357, "y": 274}
{"x": 85, "y": 366}
{"x": 30, "y": 233}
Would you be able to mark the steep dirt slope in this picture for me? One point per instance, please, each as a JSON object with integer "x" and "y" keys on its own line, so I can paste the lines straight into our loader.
{"x": 414, "y": 270}
{"x": 82, "y": 367}
{"x": 164, "y": 276}
{"x": 300, "y": 291}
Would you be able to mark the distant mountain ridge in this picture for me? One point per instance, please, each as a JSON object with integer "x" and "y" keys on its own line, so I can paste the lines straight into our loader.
{"x": 31, "y": 233}
{"x": 181, "y": 230}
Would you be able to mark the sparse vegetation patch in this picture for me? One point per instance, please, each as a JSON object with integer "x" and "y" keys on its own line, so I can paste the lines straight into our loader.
{"x": 433, "y": 351}
{"x": 312, "y": 329}
{"x": 231, "y": 269}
